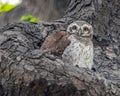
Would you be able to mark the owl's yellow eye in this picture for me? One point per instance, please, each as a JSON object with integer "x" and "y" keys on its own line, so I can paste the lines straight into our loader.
{"x": 74, "y": 27}
{"x": 85, "y": 29}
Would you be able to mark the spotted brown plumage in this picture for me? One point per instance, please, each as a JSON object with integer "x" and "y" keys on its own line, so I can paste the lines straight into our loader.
{"x": 56, "y": 43}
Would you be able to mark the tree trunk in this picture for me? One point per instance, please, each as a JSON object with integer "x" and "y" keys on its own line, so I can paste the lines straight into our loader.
{"x": 26, "y": 71}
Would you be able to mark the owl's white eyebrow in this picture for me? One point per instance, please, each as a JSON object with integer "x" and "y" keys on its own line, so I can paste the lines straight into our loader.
{"x": 85, "y": 25}
{"x": 75, "y": 25}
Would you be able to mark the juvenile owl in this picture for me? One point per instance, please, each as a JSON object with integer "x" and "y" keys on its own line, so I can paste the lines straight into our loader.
{"x": 80, "y": 50}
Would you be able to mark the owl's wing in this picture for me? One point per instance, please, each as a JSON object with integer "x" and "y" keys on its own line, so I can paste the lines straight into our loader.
{"x": 56, "y": 43}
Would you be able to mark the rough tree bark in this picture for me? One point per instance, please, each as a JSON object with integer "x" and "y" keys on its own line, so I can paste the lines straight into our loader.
{"x": 26, "y": 71}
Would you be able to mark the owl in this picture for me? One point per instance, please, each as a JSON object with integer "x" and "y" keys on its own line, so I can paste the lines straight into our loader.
{"x": 80, "y": 50}
{"x": 55, "y": 43}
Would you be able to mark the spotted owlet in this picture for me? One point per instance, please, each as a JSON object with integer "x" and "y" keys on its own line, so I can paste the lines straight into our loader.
{"x": 55, "y": 43}
{"x": 80, "y": 51}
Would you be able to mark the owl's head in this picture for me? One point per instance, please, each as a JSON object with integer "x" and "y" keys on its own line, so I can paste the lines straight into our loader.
{"x": 80, "y": 29}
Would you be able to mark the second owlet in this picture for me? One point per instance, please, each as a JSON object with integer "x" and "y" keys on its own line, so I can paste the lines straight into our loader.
{"x": 80, "y": 51}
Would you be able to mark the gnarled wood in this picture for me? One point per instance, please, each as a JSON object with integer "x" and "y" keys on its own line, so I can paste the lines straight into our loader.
{"x": 26, "y": 71}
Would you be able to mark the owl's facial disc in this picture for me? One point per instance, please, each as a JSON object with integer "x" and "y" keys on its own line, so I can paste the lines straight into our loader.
{"x": 80, "y": 29}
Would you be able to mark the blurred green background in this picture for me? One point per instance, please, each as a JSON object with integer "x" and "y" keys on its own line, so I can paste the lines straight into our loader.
{"x": 31, "y": 10}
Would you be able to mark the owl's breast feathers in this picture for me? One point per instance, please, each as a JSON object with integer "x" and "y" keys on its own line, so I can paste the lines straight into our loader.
{"x": 79, "y": 53}
{"x": 56, "y": 43}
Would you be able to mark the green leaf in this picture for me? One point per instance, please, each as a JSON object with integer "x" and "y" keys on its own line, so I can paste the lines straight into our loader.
{"x": 7, "y": 7}
{"x": 30, "y": 18}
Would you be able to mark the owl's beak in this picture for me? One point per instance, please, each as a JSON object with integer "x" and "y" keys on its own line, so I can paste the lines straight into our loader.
{"x": 79, "y": 32}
